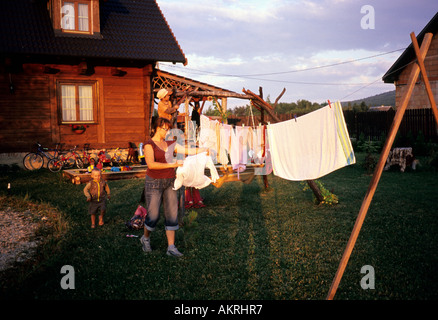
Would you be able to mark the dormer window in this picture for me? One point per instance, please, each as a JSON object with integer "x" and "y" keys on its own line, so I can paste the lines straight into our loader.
{"x": 75, "y": 16}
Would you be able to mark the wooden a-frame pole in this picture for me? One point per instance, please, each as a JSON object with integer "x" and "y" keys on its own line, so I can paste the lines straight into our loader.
{"x": 421, "y": 54}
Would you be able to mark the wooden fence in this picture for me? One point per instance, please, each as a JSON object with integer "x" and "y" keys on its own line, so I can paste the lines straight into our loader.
{"x": 374, "y": 125}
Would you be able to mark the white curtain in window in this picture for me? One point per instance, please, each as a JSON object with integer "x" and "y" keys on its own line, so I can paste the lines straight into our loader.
{"x": 85, "y": 103}
{"x": 68, "y": 93}
{"x": 83, "y": 17}
{"x": 68, "y": 16}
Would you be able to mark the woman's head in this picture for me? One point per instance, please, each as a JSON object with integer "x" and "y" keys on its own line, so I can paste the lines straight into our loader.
{"x": 161, "y": 124}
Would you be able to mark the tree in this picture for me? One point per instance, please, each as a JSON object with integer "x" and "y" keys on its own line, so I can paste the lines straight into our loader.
{"x": 241, "y": 111}
{"x": 210, "y": 112}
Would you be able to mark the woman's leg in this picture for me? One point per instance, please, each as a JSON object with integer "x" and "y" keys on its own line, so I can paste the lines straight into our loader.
{"x": 152, "y": 196}
{"x": 170, "y": 234}
{"x": 170, "y": 202}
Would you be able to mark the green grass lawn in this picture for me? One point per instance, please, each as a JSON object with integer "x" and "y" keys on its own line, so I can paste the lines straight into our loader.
{"x": 247, "y": 243}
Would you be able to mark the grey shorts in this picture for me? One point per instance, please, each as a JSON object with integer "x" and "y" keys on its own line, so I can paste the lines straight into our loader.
{"x": 95, "y": 207}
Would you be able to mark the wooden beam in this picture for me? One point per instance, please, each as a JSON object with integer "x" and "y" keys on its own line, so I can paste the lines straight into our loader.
{"x": 262, "y": 120}
{"x": 262, "y": 104}
{"x": 279, "y": 97}
{"x": 260, "y": 100}
{"x": 380, "y": 165}
{"x": 118, "y": 72}
{"x": 216, "y": 93}
{"x": 186, "y": 81}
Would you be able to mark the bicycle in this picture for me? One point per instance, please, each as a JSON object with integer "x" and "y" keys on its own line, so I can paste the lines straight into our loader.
{"x": 86, "y": 157}
{"x": 35, "y": 160}
{"x": 66, "y": 161}
{"x": 116, "y": 159}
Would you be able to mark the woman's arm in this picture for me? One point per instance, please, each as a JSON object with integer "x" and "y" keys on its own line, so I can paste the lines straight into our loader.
{"x": 163, "y": 107}
{"x": 189, "y": 151}
{"x": 150, "y": 160}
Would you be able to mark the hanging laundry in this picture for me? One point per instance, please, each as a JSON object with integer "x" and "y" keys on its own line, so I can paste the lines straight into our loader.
{"x": 192, "y": 173}
{"x": 208, "y": 136}
{"x": 191, "y": 131}
{"x": 264, "y": 155}
{"x": 239, "y": 148}
{"x": 225, "y": 147}
{"x": 256, "y": 144}
{"x": 311, "y": 146}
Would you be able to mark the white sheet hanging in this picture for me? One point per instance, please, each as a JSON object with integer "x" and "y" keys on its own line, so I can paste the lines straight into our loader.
{"x": 208, "y": 136}
{"x": 225, "y": 147}
{"x": 239, "y": 148}
{"x": 311, "y": 146}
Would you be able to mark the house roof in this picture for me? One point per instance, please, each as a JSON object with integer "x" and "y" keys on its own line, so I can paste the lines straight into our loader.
{"x": 166, "y": 79}
{"x": 129, "y": 30}
{"x": 409, "y": 54}
{"x": 183, "y": 85}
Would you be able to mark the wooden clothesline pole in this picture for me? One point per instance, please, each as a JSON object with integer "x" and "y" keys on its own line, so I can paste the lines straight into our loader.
{"x": 421, "y": 54}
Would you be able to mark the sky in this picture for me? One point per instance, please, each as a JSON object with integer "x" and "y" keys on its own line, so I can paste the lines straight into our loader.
{"x": 317, "y": 50}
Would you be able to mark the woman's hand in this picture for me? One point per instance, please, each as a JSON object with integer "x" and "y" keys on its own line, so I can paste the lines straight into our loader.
{"x": 206, "y": 150}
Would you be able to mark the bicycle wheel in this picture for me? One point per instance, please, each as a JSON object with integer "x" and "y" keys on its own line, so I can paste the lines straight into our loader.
{"x": 55, "y": 165}
{"x": 79, "y": 163}
{"x": 26, "y": 161}
{"x": 70, "y": 161}
{"x": 85, "y": 161}
{"x": 33, "y": 161}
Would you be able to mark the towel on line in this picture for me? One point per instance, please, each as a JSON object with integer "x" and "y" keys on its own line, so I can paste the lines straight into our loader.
{"x": 312, "y": 146}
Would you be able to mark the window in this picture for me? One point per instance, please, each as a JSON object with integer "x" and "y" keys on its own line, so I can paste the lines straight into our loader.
{"x": 75, "y": 16}
{"x": 77, "y": 102}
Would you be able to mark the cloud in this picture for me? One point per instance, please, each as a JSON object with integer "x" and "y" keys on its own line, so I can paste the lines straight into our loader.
{"x": 227, "y": 38}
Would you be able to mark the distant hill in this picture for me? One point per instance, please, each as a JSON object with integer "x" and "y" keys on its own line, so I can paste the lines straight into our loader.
{"x": 385, "y": 99}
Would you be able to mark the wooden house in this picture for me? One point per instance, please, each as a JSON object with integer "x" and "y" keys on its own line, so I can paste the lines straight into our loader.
{"x": 419, "y": 116}
{"x": 80, "y": 71}
{"x": 400, "y": 70}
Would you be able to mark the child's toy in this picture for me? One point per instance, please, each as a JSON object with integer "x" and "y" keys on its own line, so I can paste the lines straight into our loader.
{"x": 141, "y": 155}
{"x": 137, "y": 221}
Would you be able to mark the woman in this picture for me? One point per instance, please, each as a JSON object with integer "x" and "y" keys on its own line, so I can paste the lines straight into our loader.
{"x": 160, "y": 178}
{"x": 165, "y": 108}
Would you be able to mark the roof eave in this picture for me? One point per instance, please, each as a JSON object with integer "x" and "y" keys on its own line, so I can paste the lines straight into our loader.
{"x": 408, "y": 55}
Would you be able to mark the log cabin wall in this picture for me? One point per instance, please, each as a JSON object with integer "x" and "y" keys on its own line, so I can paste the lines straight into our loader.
{"x": 419, "y": 98}
{"x": 30, "y": 107}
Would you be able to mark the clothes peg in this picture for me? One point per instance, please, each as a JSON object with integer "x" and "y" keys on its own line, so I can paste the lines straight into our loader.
{"x": 329, "y": 104}
{"x": 295, "y": 117}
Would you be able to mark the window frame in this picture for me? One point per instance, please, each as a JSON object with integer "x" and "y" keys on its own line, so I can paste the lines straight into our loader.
{"x": 76, "y": 17}
{"x": 77, "y": 84}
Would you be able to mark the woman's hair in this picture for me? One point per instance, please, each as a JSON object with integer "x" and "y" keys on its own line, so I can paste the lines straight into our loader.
{"x": 159, "y": 122}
